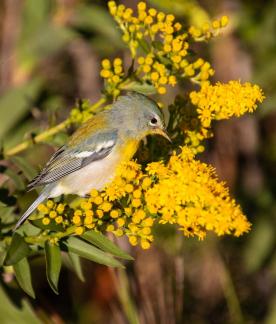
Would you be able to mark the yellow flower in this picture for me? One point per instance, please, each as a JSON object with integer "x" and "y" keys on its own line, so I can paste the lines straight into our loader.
{"x": 76, "y": 220}
{"x": 146, "y": 231}
{"x": 79, "y": 230}
{"x": 129, "y": 187}
{"x": 216, "y": 24}
{"x": 50, "y": 204}
{"x": 106, "y": 64}
{"x": 94, "y": 193}
{"x": 89, "y": 213}
{"x": 152, "y": 12}
{"x": 86, "y": 205}
{"x": 141, "y": 60}
{"x": 119, "y": 232}
{"x": 98, "y": 200}
{"x": 105, "y": 206}
{"x": 88, "y": 220}
{"x": 145, "y": 245}
{"x": 146, "y": 183}
{"x": 45, "y": 221}
{"x": 53, "y": 214}
{"x": 117, "y": 62}
{"x": 121, "y": 222}
{"x": 99, "y": 213}
{"x": 137, "y": 193}
{"x": 105, "y": 74}
{"x": 60, "y": 208}
{"x": 133, "y": 240}
{"x": 43, "y": 209}
{"x": 141, "y": 6}
{"x": 77, "y": 212}
{"x": 167, "y": 48}
{"x": 114, "y": 213}
{"x": 148, "y": 20}
{"x": 110, "y": 228}
{"x": 136, "y": 203}
{"x": 59, "y": 219}
{"x": 224, "y": 20}
{"x": 161, "y": 90}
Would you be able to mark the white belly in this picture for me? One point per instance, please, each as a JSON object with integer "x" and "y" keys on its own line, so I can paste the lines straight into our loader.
{"x": 94, "y": 176}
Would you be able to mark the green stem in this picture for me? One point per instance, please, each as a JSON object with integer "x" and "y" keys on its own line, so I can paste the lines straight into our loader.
{"x": 48, "y": 133}
{"x": 128, "y": 305}
{"x": 231, "y": 297}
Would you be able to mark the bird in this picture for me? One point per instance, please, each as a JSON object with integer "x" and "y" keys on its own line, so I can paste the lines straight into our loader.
{"x": 90, "y": 157}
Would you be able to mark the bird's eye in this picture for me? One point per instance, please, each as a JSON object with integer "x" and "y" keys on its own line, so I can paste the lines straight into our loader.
{"x": 153, "y": 121}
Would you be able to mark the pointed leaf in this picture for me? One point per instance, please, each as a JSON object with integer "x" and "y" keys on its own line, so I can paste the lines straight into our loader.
{"x": 18, "y": 250}
{"x": 11, "y": 313}
{"x": 3, "y": 253}
{"x": 76, "y": 265}
{"x": 105, "y": 244}
{"x": 53, "y": 264}
{"x": 19, "y": 99}
{"x": 97, "y": 19}
{"x": 23, "y": 165}
{"x": 23, "y": 275}
{"x": 19, "y": 183}
{"x": 90, "y": 252}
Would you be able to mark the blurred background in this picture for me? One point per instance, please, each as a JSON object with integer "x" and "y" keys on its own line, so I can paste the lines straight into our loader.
{"x": 50, "y": 53}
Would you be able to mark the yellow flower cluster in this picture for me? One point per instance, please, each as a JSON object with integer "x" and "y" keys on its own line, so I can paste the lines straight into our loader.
{"x": 222, "y": 101}
{"x": 53, "y": 212}
{"x": 189, "y": 194}
{"x": 113, "y": 75}
{"x": 165, "y": 44}
{"x": 211, "y": 102}
{"x": 208, "y": 30}
{"x": 156, "y": 72}
{"x": 185, "y": 192}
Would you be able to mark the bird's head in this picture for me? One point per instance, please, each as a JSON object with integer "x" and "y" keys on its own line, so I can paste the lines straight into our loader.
{"x": 140, "y": 115}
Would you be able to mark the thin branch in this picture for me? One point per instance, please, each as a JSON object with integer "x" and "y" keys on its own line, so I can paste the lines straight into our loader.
{"x": 48, "y": 133}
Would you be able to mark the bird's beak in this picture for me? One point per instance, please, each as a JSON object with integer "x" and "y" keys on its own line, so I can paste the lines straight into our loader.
{"x": 163, "y": 132}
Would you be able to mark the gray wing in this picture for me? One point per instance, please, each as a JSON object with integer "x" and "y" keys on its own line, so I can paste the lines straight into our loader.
{"x": 67, "y": 160}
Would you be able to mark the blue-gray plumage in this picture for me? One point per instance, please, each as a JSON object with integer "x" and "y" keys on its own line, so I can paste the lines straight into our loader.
{"x": 89, "y": 160}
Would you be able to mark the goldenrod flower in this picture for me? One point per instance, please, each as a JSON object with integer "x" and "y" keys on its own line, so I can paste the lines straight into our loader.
{"x": 222, "y": 101}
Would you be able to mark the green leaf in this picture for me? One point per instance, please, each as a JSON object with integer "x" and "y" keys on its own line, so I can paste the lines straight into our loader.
{"x": 24, "y": 166}
{"x": 53, "y": 264}
{"x": 144, "y": 45}
{"x": 96, "y": 19}
{"x": 45, "y": 41}
{"x": 19, "y": 101}
{"x": 6, "y": 214}
{"x": 259, "y": 245}
{"x": 23, "y": 275}
{"x": 12, "y": 314}
{"x": 19, "y": 183}
{"x": 3, "y": 253}
{"x": 76, "y": 265}
{"x": 105, "y": 244}
{"x": 143, "y": 88}
{"x": 90, "y": 252}
{"x": 195, "y": 14}
{"x": 18, "y": 250}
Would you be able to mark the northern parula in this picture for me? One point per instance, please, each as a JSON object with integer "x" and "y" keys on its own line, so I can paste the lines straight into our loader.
{"x": 89, "y": 159}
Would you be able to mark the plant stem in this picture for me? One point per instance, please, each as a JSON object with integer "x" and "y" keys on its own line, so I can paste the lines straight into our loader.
{"x": 42, "y": 238}
{"x": 46, "y": 134}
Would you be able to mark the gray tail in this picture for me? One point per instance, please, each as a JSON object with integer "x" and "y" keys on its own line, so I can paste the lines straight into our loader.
{"x": 43, "y": 195}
